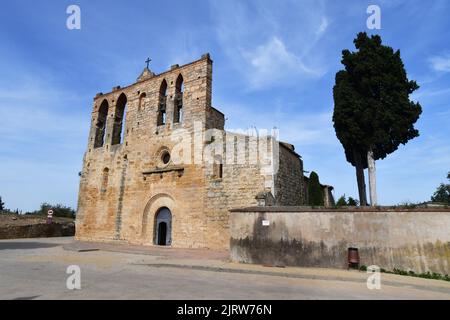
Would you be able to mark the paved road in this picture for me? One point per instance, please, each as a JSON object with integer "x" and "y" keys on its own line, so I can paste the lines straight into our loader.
{"x": 36, "y": 269}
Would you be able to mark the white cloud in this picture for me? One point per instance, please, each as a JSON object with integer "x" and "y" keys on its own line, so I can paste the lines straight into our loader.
{"x": 272, "y": 62}
{"x": 323, "y": 26}
{"x": 440, "y": 63}
{"x": 272, "y": 44}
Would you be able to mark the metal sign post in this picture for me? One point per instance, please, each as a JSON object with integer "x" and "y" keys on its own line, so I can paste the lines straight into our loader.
{"x": 50, "y": 216}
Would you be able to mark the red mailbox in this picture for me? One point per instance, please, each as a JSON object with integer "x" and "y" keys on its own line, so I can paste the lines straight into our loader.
{"x": 353, "y": 258}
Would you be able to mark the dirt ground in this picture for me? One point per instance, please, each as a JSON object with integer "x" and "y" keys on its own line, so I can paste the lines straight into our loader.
{"x": 7, "y": 220}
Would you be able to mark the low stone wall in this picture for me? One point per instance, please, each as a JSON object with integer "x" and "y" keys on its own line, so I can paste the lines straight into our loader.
{"x": 40, "y": 230}
{"x": 416, "y": 239}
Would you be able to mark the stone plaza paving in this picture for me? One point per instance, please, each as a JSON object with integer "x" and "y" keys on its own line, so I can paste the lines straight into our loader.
{"x": 37, "y": 269}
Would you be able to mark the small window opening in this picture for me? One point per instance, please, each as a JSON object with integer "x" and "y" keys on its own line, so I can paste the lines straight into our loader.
{"x": 142, "y": 101}
{"x": 105, "y": 179}
{"x": 165, "y": 157}
{"x": 218, "y": 167}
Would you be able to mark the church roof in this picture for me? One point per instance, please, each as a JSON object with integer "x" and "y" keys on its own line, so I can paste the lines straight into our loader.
{"x": 146, "y": 74}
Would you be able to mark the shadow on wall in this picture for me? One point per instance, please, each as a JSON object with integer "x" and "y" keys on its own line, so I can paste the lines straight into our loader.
{"x": 416, "y": 240}
{"x": 261, "y": 249}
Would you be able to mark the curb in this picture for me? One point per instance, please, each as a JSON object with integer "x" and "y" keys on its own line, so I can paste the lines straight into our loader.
{"x": 288, "y": 275}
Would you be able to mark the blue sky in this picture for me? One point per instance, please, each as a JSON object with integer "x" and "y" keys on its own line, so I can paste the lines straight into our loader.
{"x": 274, "y": 66}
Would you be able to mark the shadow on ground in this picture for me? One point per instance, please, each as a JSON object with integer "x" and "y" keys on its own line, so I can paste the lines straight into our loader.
{"x": 27, "y": 298}
{"x": 26, "y": 245}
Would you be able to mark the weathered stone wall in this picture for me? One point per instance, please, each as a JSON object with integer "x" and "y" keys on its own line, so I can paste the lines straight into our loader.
{"x": 250, "y": 164}
{"x": 289, "y": 178}
{"x": 215, "y": 119}
{"x": 328, "y": 196}
{"x": 41, "y": 230}
{"x": 417, "y": 240}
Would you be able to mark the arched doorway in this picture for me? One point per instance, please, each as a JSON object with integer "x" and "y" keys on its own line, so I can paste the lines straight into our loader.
{"x": 163, "y": 227}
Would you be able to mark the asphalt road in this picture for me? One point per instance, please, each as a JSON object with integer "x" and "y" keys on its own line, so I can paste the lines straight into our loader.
{"x": 36, "y": 269}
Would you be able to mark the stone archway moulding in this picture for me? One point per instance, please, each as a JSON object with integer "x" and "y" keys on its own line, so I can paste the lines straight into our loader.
{"x": 151, "y": 209}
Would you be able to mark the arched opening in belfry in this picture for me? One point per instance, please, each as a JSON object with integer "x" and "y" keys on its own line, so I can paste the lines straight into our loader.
{"x": 100, "y": 125}
{"x": 179, "y": 91}
{"x": 163, "y": 227}
{"x": 162, "y": 107}
{"x": 119, "y": 120}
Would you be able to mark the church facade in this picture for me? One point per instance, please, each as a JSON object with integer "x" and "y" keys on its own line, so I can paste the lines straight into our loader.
{"x": 160, "y": 169}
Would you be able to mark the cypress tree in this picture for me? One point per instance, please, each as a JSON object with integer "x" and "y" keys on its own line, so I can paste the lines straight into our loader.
{"x": 315, "y": 192}
{"x": 373, "y": 113}
{"x": 2, "y": 205}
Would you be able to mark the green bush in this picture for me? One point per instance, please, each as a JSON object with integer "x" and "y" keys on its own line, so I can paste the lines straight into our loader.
{"x": 342, "y": 201}
{"x": 425, "y": 275}
{"x": 352, "y": 202}
{"x": 408, "y": 205}
{"x": 315, "y": 192}
{"x": 442, "y": 194}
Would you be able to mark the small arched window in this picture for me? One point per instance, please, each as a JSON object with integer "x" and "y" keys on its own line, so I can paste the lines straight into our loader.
{"x": 105, "y": 178}
{"x": 119, "y": 120}
{"x": 162, "y": 107}
{"x": 179, "y": 90}
{"x": 100, "y": 125}
{"x": 218, "y": 167}
{"x": 142, "y": 101}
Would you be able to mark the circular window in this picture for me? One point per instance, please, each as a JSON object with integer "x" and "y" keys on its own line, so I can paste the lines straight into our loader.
{"x": 165, "y": 157}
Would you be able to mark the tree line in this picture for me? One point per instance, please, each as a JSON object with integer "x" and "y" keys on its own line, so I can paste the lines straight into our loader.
{"x": 316, "y": 194}
{"x": 59, "y": 210}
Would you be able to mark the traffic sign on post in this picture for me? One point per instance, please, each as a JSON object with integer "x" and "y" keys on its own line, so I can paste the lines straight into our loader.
{"x": 50, "y": 216}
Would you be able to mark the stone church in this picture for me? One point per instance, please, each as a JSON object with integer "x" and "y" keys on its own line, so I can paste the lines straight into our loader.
{"x": 161, "y": 170}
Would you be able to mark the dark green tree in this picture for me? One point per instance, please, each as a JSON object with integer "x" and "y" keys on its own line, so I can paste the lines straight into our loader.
{"x": 2, "y": 205}
{"x": 352, "y": 202}
{"x": 315, "y": 192}
{"x": 442, "y": 193}
{"x": 342, "y": 201}
{"x": 373, "y": 114}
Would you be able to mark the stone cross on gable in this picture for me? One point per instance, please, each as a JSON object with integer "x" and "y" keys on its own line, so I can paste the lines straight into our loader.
{"x": 148, "y": 61}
